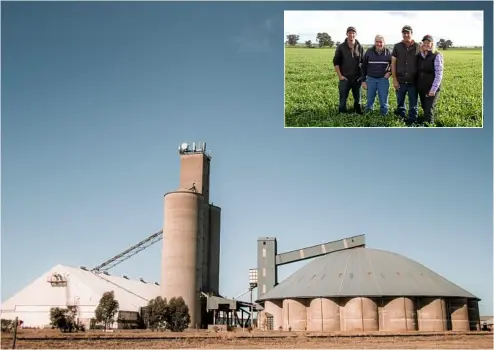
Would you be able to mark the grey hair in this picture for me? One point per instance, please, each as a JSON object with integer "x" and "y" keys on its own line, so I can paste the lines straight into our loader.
{"x": 378, "y": 36}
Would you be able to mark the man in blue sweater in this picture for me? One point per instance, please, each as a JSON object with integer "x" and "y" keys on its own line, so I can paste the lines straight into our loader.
{"x": 376, "y": 70}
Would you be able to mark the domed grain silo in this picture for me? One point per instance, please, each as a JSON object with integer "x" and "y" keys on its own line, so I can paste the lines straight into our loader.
{"x": 363, "y": 290}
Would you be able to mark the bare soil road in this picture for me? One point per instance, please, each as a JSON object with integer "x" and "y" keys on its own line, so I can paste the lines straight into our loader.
{"x": 247, "y": 341}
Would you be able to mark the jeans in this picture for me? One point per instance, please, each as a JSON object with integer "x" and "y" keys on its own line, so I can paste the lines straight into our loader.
{"x": 411, "y": 90}
{"x": 344, "y": 86}
{"x": 428, "y": 104}
{"x": 379, "y": 86}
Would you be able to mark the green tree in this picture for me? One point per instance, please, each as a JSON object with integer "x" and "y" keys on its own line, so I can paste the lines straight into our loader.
{"x": 63, "y": 319}
{"x": 292, "y": 39}
{"x": 324, "y": 39}
{"x": 156, "y": 314}
{"x": 444, "y": 44}
{"x": 107, "y": 309}
{"x": 7, "y": 325}
{"x": 92, "y": 323}
{"x": 178, "y": 317}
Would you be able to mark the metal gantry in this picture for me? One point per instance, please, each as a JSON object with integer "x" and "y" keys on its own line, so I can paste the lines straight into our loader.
{"x": 126, "y": 254}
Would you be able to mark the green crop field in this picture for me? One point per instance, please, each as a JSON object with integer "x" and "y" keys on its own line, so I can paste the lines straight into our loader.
{"x": 311, "y": 92}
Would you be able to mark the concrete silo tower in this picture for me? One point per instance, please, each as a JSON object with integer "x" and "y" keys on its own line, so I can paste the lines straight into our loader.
{"x": 191, "y": 235}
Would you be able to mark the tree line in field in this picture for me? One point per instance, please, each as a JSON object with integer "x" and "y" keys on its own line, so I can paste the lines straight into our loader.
{"x": 324, "y": 40}
{"x": 158, "y": 315}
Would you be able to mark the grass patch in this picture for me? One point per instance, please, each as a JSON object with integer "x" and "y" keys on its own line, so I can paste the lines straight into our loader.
{"x": 311, "y": 92}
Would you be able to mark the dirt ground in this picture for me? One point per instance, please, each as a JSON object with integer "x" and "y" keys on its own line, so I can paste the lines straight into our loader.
{"x": 246, "y": 341}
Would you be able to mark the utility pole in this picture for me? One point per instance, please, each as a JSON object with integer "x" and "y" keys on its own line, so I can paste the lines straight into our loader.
{"x": 15, "y": 332}
{"x": 251, "y": 309}
{"x": 252, "y": 285}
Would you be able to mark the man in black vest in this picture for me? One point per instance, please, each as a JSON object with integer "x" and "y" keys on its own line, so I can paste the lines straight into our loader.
{"x": 430, "y": 75}
{"x": 404, "y": 72}
{"x": 347, "y": 62}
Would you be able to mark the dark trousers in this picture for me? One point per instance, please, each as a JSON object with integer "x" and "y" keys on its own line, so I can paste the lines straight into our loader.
{"x": 428, "y": 103}
{"x": 411, "y": 91}
{"x": 344, "y": 86}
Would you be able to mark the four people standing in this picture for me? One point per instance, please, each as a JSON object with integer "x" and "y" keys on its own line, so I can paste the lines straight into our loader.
{"x": 416, "y": 70}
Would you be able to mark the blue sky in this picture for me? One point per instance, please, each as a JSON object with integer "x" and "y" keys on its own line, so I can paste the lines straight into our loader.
{"x": 96, "y": 98}
{"x": 464, "y": 28}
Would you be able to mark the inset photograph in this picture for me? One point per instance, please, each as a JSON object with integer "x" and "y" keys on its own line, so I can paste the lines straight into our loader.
{"x": 384, "y": 69}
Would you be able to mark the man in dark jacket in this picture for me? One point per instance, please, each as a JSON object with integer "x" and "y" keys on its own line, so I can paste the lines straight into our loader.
{"x": 376, "y": 70}
{"x": 404, "y": 70}
{"x": 347, "y": 62}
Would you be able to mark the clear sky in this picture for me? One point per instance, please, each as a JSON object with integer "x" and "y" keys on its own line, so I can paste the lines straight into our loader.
{"x": 97, "y": 97}
{"x": 463, "y": 28}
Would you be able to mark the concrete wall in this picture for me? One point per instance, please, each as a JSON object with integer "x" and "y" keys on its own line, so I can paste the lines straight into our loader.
{"x": 191, "y": 238}
{"x": 458, "y": 309}
{"x": 473, "y": 315}
{"x": 398, "y": 315}
{"x": 432, "y": 314}
{"x": 362, "y": 314}
{"x": 323, "y": 315}
{"x": 214, "y": 248}
{"x": 266, "y": 264}
{"x": 275, "y": 308}
{"x": 295, "y": 314}
{"x": 262, "y": 320}
{"x": 195, "y": 170}
{"x": 181, "y": 231}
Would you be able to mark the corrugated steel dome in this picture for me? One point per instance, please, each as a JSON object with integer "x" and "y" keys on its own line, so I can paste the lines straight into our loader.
{"x": 364, "y": 272}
